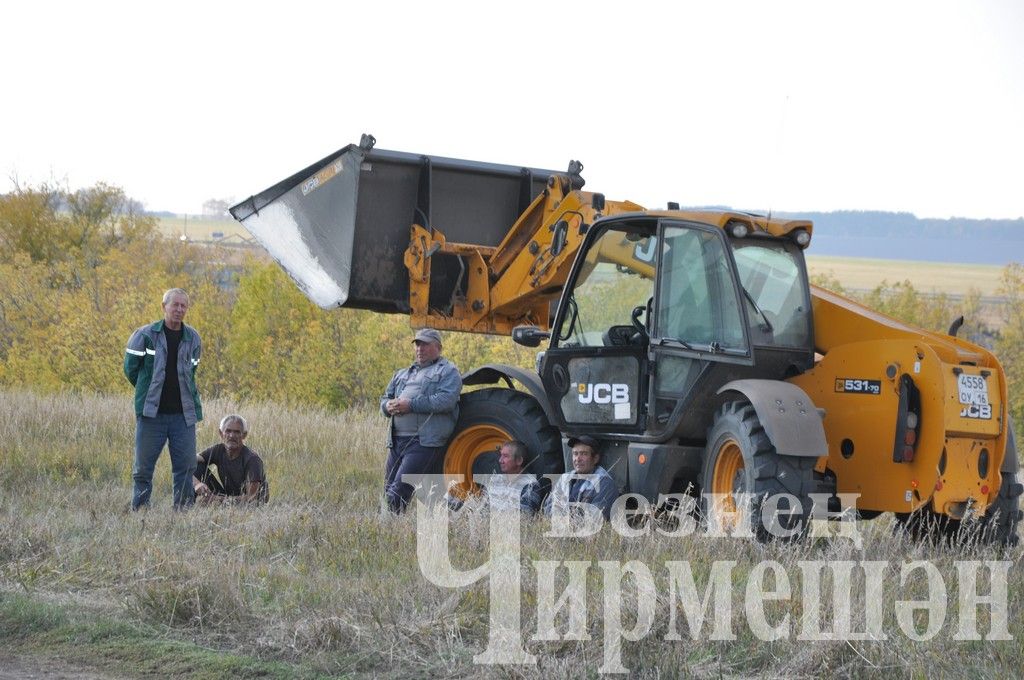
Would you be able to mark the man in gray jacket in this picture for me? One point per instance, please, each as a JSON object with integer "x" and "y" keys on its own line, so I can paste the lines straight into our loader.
{"x": 423, "y": 404}
{"x": 160, "y": 361}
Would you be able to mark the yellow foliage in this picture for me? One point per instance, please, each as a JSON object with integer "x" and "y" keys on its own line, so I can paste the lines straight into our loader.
{"x": 66, "y": 312}
{"x": 1010, "y": 344}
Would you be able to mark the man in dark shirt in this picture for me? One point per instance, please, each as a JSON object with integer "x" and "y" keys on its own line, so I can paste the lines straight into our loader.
{"x": 240, "y": 472}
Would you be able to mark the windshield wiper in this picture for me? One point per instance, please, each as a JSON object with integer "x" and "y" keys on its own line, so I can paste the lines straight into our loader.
{"x": 767, "y": 326}
{"x": 675, "y": 341}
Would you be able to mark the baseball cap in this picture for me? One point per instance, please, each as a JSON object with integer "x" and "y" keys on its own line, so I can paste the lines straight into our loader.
{"x": 427, "y": 335}
{"x": 586, "y": 440}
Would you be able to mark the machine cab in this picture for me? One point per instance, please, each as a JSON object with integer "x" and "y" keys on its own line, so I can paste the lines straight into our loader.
{"x": 659, "y": 312}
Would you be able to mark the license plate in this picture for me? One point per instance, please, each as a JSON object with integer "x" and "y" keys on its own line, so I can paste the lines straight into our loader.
{"x": 973, "y": 389}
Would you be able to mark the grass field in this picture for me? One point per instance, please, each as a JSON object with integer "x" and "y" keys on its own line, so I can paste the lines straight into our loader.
{"x": 320, "y": 584}
{"x": 204, "y": 229}
{"x": 927, "y": 277}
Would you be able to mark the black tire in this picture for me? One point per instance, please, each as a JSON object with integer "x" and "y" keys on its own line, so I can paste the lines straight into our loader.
{"x": 491, "y": 416}
{"x": 999, "y": 523}
{"x": 927, "y": 526}
{"x": 762, "y": 473}
{"x": 998, "y": 526}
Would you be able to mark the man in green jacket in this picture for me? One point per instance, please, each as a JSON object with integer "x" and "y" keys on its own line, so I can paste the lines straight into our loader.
{"x": 160, "y": 361}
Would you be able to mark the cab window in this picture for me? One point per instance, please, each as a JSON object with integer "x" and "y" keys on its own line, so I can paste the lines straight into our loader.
{"x": 777, "y": 306}
{"x": 698, "y": 303}
{"x": 616, "y": 278}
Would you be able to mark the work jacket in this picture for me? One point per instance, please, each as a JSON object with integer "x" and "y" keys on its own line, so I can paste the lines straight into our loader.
{"x": 598, "y": 488}
{"x": 145, "y": 362}
{"x": 434, "y": 401}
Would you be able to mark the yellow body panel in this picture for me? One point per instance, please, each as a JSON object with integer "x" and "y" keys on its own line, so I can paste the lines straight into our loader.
{"x": 859, "y": 344}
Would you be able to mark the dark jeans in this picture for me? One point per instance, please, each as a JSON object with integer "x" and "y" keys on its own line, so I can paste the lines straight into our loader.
{"x": 406, "y": 457}
{"x": 150, "y": 436}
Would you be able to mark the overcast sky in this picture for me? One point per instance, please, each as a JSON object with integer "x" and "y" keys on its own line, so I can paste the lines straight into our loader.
{"x": 796, "y": 106}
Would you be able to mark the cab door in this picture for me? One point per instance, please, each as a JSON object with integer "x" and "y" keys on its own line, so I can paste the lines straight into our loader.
{"x": 595, "y": 370}
{"x": 653, "y": 311}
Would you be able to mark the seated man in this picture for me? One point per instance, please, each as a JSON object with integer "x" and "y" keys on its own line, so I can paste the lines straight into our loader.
{"x": 600, "y": 490}
{"x": 512, "y": 487}
{"x": 239, "y": 469}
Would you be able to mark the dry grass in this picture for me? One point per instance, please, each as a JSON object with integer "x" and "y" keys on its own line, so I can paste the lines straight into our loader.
{"x": 320, "y": 576}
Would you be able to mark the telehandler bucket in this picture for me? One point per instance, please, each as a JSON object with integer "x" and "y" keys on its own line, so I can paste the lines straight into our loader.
{"x": 341, "y": 226}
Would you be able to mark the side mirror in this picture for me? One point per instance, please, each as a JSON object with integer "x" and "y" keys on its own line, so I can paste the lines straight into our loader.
{"x": 529, "y": 336}
{"x": 559, "y": 238}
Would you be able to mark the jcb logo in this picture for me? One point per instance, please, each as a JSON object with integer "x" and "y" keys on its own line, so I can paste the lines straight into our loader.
{"x": 977, "y": 411}
{"x": 603, "y": 393}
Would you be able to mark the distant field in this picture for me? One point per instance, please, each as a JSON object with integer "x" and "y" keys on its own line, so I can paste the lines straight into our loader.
{"x": 204, "y": 229}
{"x": 853, "y": 273}
{"x": 927, "y": 277}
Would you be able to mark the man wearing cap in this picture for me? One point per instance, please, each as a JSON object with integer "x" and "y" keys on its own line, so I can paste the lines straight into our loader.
{"x": 587, "y": 482}
{"x": 423, "y": 404}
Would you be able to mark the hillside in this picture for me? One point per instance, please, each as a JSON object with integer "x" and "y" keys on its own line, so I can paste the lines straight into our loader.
{"x": 902, "y": 236}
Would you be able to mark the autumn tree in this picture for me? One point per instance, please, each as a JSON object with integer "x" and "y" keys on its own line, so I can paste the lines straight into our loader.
{"x": 217, "y": 208}
{"x": 1010, "y": 345}
{"x": 56, "y": 225}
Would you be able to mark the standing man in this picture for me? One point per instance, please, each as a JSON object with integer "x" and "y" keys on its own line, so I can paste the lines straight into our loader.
{"x": 160, "y": 362}
{"x": 597, "y": 488}
{"x": 240, "y": 475}
{"x": 423, "y": 404}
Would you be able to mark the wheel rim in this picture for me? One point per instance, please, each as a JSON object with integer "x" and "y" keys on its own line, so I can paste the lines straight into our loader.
{"x": 464, "y": 449}
{"x": 728, "y": 480}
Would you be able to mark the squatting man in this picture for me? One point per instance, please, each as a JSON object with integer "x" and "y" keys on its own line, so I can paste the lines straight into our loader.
{"x": 587, "y": 482}
{"x": 239, "y": 470}
{"x": 513, "y": 488}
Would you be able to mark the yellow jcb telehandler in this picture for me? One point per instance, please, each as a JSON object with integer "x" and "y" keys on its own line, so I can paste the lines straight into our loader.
{"x": 689, "y": 342}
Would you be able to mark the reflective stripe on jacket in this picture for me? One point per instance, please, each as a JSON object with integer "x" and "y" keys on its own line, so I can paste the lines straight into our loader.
{"x": 145, "y": 362}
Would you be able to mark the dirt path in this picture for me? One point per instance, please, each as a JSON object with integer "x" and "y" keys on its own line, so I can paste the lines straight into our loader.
{"x": 41, "y": 668}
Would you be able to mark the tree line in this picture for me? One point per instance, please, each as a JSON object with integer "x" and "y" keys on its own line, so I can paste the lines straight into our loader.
{"x": 79, "y": 270}
{"x": 879, "y": 224}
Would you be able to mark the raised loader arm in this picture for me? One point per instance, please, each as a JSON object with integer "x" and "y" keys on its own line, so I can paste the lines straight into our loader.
{"x": 456, "y": 245}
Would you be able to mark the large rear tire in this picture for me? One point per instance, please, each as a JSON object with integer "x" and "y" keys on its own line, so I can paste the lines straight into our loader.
{"x": 998, "y": 526}
{"x": 742, "y": 470}
{"x": 999, "y": 523}
{"x": 487, "y": 419}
